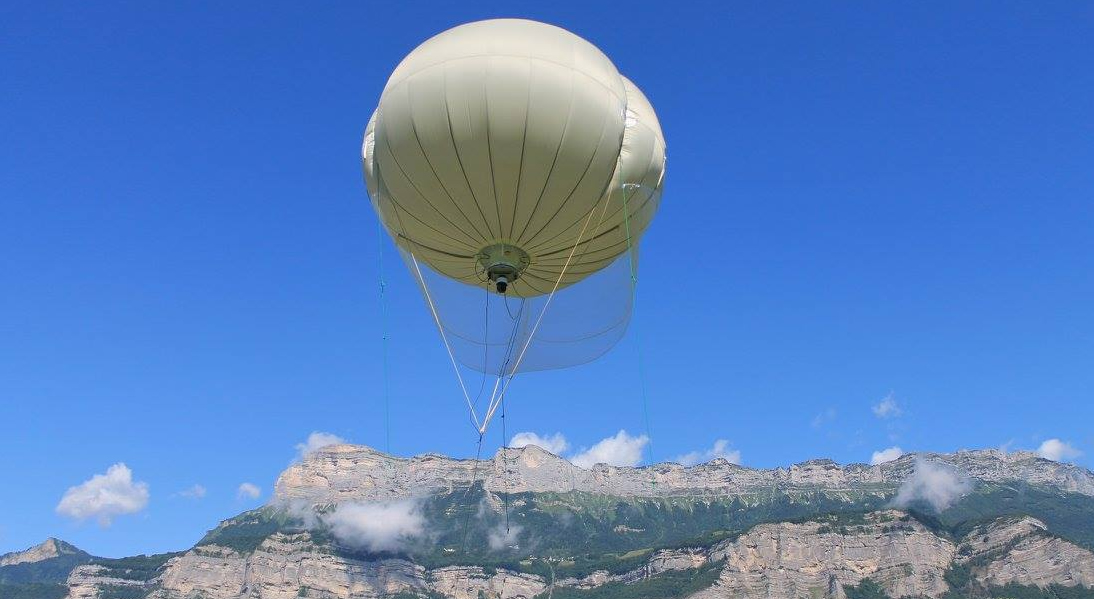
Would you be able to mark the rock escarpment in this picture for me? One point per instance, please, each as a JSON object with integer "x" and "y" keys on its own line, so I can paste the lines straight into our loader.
{"x": 793, "y": 560}
{"x": 357, "y": 473}
{"x": 813, "y": 530}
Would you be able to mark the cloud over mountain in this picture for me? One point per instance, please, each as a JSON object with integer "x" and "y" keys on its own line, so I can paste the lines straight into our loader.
{"x": 937, "y": 484}
{"x": 886, "y": 455}
{"x": 316, "y": 441}
{"x": 248, "y": 491}
{"x": 1058, "y": 451}
{"x": 621, "y": 449}
{"x": 378, "y": 526}
{"x": 719, "y": 450}
{"x": 555, "y": 443}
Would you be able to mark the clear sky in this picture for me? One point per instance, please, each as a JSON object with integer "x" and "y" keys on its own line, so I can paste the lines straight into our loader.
{"x": 864, "y": 200}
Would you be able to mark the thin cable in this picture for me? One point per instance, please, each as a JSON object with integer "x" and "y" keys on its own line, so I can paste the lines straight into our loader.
{"x": 474, "y": 479}
{"x": 440, "y": 327}
{"x": 637, "y": 335}
{"x": 524, "y": 350}
{"x": 485, "y": 347}
{"x": 505, "y": 300}
{"x": 383, "y": 328}
{"x": 505, "y": 466}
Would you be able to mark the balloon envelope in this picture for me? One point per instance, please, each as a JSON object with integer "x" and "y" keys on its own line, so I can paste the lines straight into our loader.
{"x": 517, "y": 143}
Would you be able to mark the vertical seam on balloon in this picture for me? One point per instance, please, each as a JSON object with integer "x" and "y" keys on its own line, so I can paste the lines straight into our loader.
{"x": 490, "y": 151}
{"x": 605, "y": 194}
{"x": 554, "y": 161}
{"x": 563, "y": 248}
{"x": 395, "y": 203}
{"x": 523, "y": 144}
{"x": 426, "y": 225}
{"x": 426, "y": 199}
{"x": 606, "y": 200}
{"x": 569, "y": 196}
{"x": 414, "y": 130}
{"x": 456, "y": 149}
{"x": 533, "y": 287}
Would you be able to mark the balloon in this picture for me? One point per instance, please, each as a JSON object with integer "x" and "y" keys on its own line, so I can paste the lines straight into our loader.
{"x": 512, "y": 155}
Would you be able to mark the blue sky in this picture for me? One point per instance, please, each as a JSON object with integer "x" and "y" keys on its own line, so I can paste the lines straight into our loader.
{"x": 892, "y": 200}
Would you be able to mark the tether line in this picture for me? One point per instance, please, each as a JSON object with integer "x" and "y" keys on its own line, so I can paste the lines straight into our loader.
{"x": 494, "y": 402}
{"x": 444, "y": 337}
{"x": 634, "y": 308}
{"x": 383, "y": 328}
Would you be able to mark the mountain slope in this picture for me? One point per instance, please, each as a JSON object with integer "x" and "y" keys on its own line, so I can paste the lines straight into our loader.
{"x": 349, "y": 521}
{"x": 39, "y": 571}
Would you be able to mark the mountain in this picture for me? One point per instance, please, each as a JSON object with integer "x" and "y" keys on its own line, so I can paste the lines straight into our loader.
{"x": 349, "y": 521}
{"x": 41, "y": 571}
{"x": 353, "y": 472}
{"x": 50, "y": 549}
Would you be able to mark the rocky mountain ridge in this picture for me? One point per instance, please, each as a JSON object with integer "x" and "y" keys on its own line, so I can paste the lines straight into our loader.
{"x": 338, "y": 473}
{"x": 51, "y": 548}
{"x": 808, "y": 559}
{"x": 528, "y": 524}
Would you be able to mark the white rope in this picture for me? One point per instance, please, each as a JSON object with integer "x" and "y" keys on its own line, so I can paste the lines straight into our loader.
{"x": 440, "y": 327}
{"x": 495, "y": 401}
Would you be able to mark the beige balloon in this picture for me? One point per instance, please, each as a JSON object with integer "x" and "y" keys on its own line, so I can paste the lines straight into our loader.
{"x": 503, "y": 152}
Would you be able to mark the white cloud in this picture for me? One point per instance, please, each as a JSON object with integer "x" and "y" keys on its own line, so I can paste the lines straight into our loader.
{"x": 316, "y": 441}
{"x": 886, "y": 455}
{"x": 1058, "y": 451}
{"x": 300, "y": 509}
{"x": 888, "y": 408}
{"x": 555, "y": 443}
{"x": 105, "y": 496}
{"x": 194, "y": 492}
{"x": 248, "y": 491}
{"x": 720, "y": 450}
{"x": 620, "y": 450}
{"x": 823, "y": 418}
{"x": 937, "y": 484}
{"x": 382, "y": 526}
{"x": 500, "y": 538}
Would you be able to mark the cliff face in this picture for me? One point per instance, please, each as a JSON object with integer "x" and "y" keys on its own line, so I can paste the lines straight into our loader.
{"x": 355, "y": 473}
{"x": 529, "y": 524}
{"x": 804, "y": 560}
{"x": 1020, "y": 551}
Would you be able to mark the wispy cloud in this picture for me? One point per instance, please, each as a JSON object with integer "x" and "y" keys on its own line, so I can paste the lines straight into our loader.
{"x": 316, "y": 441}
{"x": 824, "y": 418}
{"x": 105, "y": 496}
{"x": 1058, "y": 451}
{"x": 719, "y": 450}
{"x": 886, "y": 455}
{"x": 501, "y": 538}
{"x": 888, "y": 408}
{"x": 937, "y": 484}
{"x": 194, "y": 492}
{"x": 248, "y": 491}
{"x": 619, "y": 450}
{"x": 377, "y": 526}
{"x": 555, "y": 443}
